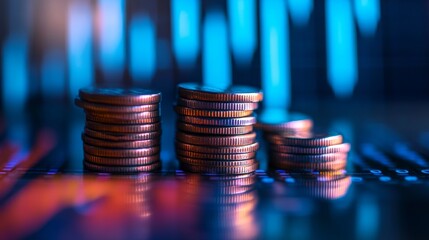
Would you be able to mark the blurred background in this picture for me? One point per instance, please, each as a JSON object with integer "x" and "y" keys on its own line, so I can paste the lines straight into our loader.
{"x": 296, "y": 50}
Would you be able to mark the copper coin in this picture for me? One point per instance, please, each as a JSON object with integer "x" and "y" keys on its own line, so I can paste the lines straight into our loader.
{"x": 195, "y": 91}
{"x": 121, "y": 161}
{"x": 234, "y": 106}
{"x": 120, "y": 96}
{"x": 151, "y": 127}
{"x": 94, "y": 118}
{"x": 223, "y": 157}
{"x": 318, "y": 166}
{"x": 340, "y": 148}
{"x": 217, "y": 150}
{"x": 224, "y": 122}
{"x": 283, "y": 121}
{"x": 95, "y": 107}
{"x": 307, "y": 158}
{"x": 211, "y": 113}
{"x": 120, "y": 153}
{"x": 306, "y": 139}
{"x": 220, "y": 170}
{"x": 122, "y": 144}
{"x": 238, "y": 140}
{"x": 125, "y": 116}
{"x": 118, "y": 169}
{"x": 232, "y": 180}
{"x": 122, "y": 137}
{"x": 215, "y": 163}
{"x": 214, "y": 130}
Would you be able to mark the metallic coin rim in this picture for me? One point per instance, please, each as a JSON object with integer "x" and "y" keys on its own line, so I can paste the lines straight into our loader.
{"x": 215, "y": 163}
{"x": 125, "y": 117}
{"x": 116, "y": 169}
{"x": 120, "y": 153}
{"x": 235, "y": 106}
{"x": 120, "y": 144}
{"x": 192, "y": 128}
{"x": 305, "y": 142}
{"x": 211, "y": 156}
{"x": 220, "y": 170}
{"x": 109, "y": 161}
{"x": 211, "y": 113}
{"x": 321, "y": 166}
{"x": 217, "y": 150}
{"x": 225, "y": 122}
{"x": 236, "y": 140}
{"x": 122, "y": 137}
{"x": 128, "y": 100}
{"x": 307, "y": 158}
{"x": 92, "y": 118}
{"x": 96, "y": 107}
{"x": 117, "y": 128}
{"x": 344, "y": 147}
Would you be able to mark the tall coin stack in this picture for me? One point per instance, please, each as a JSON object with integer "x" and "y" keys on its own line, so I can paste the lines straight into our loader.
{"x": 123, "y": 129}
{"x": 294, "y": 146}
{"x": 215, "y": 129}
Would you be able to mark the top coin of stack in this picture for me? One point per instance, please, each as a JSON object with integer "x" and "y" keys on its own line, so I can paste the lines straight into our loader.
{"x": 215, "y": 129}
{"x": 123, "y": 129}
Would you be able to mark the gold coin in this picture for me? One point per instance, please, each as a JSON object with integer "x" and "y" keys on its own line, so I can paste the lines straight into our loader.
{"x": 211, "y": 113}
{"x": 214, "y": 130}
{"x": 120, "y": 153}
{"x": 238, "y": 140}
{"x": 152, "y": 127}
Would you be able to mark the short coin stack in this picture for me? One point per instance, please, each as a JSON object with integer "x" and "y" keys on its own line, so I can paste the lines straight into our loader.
{"x": 123, "y": 129}
{"x": 215, "y": 129}
{"x": 294, "y": 146}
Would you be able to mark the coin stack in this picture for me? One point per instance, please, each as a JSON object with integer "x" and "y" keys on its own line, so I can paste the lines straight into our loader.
{"x": 294, "y": 146}
{"x": 122, "y": 131}
{"x": 215, "y": 129}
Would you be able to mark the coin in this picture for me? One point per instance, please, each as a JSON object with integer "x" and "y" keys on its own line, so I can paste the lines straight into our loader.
{"x": 121, "y": 161}
{"x": 125, "y": 116}
{"x": 319, "y": 166}
{"x": 340, "y": 148}
{"x": 219, "y": 170}
{"x": 236, "y": 140}
{"x": 218, "y": 150}
{"x": 223, "y": 157}
{"x": 122, "y": 144}
{"x": 307, "y": 158}
{"x": 195, "y": 91}
{"x": 122, "y": 136}
{"x": 152, "y": 127}
{"x": 281, "y": 121}
{"x": 225, "y": 122}
{"x": 306, "y": 139}
{"x": 214, "y": 130}
{"x": 120, "y": 96}
{"x": 120, "y": 153}
{"x": 94, "y": 107}
{"x": 216, "y": 105}
{"x": 94, "y": 118}
{"x": 211, "y": 113}
{"x": 117, "y": 169}
{"x": 216, "y": 163}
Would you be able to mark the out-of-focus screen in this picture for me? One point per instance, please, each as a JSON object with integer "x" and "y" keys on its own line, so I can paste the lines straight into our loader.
{"x": 357, "y": 67}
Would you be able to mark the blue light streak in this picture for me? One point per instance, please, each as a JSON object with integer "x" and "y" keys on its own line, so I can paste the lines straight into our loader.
{"x": 341, "y": 47}
{"x": 216, "y": 59}
{"x": 79, "y": 47}
{"x": 367, "y": 15}
{"x": 142, "y": 48}
{"x": 300, "y": 11}
{"x": 53, "y": 79}
{"x": 242, "y": 25}
{"x": 185, "y": 17}
{"x": 15, "y": 73}
{"x": 112, "y": 48}
{"x": 275, "y": 54}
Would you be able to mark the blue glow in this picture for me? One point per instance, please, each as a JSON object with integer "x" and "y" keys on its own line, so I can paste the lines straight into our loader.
{"x": 242, "y": 25}
{"x": 367, "y": 15}
{"x": 79, "y": 47}
{"x": 275, "y": 54}
{"x": 216, "y": 59}
{"x": 142, "y": 48}
{"x": 300, "y": 11}
{"x": 185, "y": 16}
{"x": 341, "y": 47}
{"x": 111, "y": 37}
{"x": 53, "y": 79}
{"x": 367, "y": 218}
{"x": 15, "y": 73}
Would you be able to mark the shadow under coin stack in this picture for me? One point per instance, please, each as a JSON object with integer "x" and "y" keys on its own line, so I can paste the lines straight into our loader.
{"x": 215, "y": 129}
{"x": 122, "y": 131}
{"x": 295, "y": 147}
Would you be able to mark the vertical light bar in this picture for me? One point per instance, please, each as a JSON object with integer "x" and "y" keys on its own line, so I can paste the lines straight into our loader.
{"x": 142, "y": 48}
{"x": 216, "y": 59}
{"x": 111, "y": 36}
{"x": 367, "y": 14}
{"x": 52, "y": 79}
{"x": 275, "y": 54}
{"x": 341, "y": 47}
{"x": 15, "y": 73}
{"x": 79, "y": 46}
{"x": 242, "y": 25}
{"x": 300, "y": 11}
{"x": 185, "y": 17}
